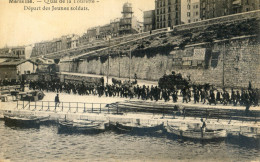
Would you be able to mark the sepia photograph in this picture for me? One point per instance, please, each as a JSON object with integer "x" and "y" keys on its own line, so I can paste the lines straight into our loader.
{"x": 129, "y": 80}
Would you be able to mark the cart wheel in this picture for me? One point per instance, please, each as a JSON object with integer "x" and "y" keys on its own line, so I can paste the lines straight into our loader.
{"x": 40, "y": 95}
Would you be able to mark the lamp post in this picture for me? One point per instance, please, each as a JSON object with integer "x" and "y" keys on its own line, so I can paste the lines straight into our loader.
{"x": 108, "y": 60}
{"x": 108, "y": 66}
{"x": 130, "y": 64}
{"x": 223, "y": 75}
{"x": 118, "y": 64}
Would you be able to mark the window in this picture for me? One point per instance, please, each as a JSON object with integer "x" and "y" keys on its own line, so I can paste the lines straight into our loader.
{"x": 188, "y": 7}
{"x": 169, "y": 9}
{"x": 197, "y": 13}
{"x": 188, "y": 14}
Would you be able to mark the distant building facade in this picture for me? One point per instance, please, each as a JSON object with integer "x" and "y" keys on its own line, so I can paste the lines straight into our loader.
{"x": 13, "y": 52}
{"x": 167, "y": 13}
{"x": 75, "y": 41}
{"x": 128, "y": 23}
{"x": 105, "y": 31}
{"x": 218, "y": 8}
{"x": 195, "y": 12}
{"x": 115, "y": 24}
{"x": 190, "y": 11}
{"x": 55, "y": 45}
{"x": 93, "y": 33}
{"x": 149, "y": 20}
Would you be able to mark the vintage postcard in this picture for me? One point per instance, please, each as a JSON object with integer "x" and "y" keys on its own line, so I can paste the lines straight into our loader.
{"x": 129, "y": 80}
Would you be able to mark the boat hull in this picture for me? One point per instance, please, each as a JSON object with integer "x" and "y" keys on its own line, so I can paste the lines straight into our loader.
{"x": 70, "y": 127}
{"x": 21, "y": 122}
{"x": 197, "y": 135}
{"x": 141, "y": 130}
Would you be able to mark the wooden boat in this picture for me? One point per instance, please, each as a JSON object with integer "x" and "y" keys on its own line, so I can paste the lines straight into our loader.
{"x": 22, "y": 121}
{"x": 249, "y": 135}
{"x": 197, "y": 134}
{"x": 81, "y": 126}
{"x": 137, "y": 129}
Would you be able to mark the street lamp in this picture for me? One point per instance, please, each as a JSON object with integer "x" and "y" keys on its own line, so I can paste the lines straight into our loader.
{"x": 130, "y": 53}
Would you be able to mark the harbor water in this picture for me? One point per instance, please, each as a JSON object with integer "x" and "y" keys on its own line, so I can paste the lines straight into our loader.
{"x": 45, "y": 144}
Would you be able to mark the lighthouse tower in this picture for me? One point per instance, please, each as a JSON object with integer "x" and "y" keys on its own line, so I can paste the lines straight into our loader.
{"x": 128, "y": 22}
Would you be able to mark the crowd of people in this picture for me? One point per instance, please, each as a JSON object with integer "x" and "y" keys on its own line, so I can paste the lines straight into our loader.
{"x": 194, "y": 93}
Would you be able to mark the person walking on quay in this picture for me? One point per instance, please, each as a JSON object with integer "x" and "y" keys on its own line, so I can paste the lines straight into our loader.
{"x": 218, "y": 99}
{"x": 57, "y": 101}
{"x": 203, "y": 127}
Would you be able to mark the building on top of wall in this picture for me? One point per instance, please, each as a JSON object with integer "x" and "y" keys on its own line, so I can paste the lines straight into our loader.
{"x": 190, "y": 11}
{"x": 128, "y": 23}
{"x": 105, "y": 31}
{"x": 167, "y": 13}
{"x": 13, "y": 52}
{"x": 93, "y": 33}
{"x": 149, "y": 20}
{"x": 195, "y": 12}
{"x": 115, "y": 24}
{"x": 75, "y": 41}
{"x": 218, "y": 8}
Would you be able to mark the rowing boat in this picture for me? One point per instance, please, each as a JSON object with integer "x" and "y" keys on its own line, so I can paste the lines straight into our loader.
{"x": 23, "y": 121}
{"x": 81, "y": 126}
{"x": 137, "y": 128}
{"x": 197, "y": 134}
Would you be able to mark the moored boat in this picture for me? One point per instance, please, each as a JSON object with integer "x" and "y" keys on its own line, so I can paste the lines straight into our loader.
{"x": 249, "y": 135}
{"x": 137, "y": 128}
{"x": 197, "y": 134}
{"x": 22, "y": 121}
{"x": 81, "y": 126}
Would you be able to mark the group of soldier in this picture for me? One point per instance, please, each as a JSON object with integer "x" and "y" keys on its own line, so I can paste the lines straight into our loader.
{"x": 204, "y": 95}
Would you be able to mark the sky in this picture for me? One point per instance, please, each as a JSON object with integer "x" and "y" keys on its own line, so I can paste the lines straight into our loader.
{"x": 20, "y": 27}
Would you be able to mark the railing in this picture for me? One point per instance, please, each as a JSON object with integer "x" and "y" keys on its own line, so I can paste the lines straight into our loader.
{"x": 72, "y": 107}
{"x": 84, "y": 107}
{"x": 112, "y": 42}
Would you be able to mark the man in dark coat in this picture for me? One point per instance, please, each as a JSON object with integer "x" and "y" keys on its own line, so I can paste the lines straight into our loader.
{"x": 57, "y": 101}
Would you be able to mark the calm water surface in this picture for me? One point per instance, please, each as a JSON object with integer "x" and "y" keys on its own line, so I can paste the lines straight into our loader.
{"x": 45, "y": 144}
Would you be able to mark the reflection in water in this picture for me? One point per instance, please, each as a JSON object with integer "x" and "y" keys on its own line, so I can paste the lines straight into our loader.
{"x": 46, "y": 144}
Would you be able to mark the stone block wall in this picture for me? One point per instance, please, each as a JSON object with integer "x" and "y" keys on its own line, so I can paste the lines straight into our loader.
{"x": 241, "y": 65}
